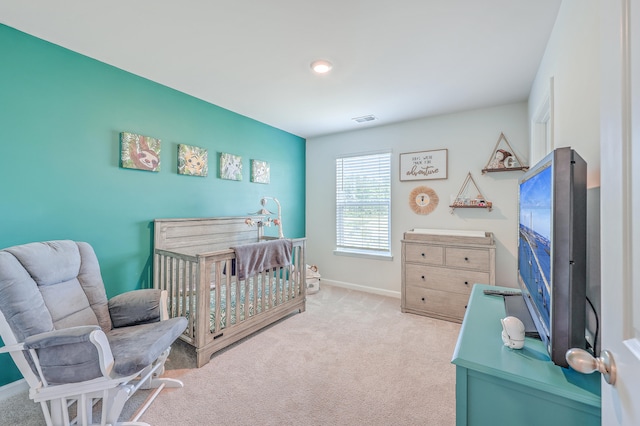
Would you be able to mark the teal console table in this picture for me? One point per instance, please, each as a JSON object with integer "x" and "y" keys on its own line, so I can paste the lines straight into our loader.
{"x": 499, "y": 386}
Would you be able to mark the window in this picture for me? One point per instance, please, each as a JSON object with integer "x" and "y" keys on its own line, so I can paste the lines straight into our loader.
{"x": 363, "y": 204}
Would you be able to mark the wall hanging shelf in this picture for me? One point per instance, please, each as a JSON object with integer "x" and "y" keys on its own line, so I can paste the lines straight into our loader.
{"x": 470, "y": 197}
{"x": 503, "y": 158}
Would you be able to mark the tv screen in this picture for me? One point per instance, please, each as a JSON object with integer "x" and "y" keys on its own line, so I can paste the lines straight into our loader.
{"x": 552, "y": 250}
{"x": 534, "y": 253}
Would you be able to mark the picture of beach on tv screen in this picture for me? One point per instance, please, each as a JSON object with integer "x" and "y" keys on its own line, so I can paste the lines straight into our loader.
{"x": 535, "y": 241}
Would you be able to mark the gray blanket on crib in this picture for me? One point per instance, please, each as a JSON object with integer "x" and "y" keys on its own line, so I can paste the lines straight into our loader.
{"x": 257, "y": 257}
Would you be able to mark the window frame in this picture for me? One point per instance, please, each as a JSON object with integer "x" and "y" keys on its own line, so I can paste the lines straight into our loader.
{"x": 342, "y": 249}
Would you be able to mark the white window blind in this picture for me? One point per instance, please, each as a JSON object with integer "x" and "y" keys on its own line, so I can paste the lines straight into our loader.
{"x": 363, "y": 202}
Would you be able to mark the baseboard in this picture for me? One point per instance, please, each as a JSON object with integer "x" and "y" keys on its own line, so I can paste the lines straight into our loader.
{"x": 388, "y": 293}
{"x": 13, "y": 388}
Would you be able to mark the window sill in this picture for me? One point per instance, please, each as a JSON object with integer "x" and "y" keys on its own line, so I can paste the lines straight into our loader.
{"x": 364, "y": 254}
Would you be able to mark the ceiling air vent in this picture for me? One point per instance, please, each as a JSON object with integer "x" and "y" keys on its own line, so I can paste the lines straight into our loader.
{"x": 364, "y": 118}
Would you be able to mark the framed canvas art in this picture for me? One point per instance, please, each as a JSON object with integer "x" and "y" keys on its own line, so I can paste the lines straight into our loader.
{"x": 192, "y": 160}
{"x": 260, "y": 171}
{"x": 139, "y": 152}
{"x": 423, "y": 165}
{"x": 230, "y": 166}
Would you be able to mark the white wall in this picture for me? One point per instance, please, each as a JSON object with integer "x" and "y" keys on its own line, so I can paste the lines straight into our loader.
{"x": 572, "y": 60}
{"x": 470, "y": 137}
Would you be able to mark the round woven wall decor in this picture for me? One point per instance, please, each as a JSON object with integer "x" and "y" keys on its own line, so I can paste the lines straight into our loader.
{"x": 423, "y": 200}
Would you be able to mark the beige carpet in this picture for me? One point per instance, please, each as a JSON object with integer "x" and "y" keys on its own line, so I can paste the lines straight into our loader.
{"x": 351, "y": 359}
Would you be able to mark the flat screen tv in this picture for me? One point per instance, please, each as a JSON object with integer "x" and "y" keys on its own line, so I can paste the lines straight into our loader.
{"x": 552, "y": 200}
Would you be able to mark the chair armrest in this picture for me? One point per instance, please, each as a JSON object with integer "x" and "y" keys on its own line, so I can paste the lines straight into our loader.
{"x": 65, "y": 336}
{"x": 12, "y": 348}
{"x": 65, "y": 355}
{"x": 136, "y": 307}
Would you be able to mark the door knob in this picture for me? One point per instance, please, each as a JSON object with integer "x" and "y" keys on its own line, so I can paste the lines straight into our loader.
{"x": 583, "y": 362}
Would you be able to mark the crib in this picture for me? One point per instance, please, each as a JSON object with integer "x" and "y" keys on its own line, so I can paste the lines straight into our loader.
{"x": 193, "y": 261}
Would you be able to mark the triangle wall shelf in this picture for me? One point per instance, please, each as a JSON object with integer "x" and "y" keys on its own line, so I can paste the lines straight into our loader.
{"x": 503, "y": 158}
{"x": 470, "y": 197}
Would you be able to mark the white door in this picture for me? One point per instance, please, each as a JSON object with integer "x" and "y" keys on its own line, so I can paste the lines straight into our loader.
{"x": 620, "y": 206}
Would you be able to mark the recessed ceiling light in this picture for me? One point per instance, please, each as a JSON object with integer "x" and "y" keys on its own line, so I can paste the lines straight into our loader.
{"x": 321, "y": 66}
{"x": 364, "y": 118}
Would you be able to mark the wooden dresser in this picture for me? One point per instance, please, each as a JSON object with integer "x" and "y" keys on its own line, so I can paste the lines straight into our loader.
{"x": 440, "y": 267}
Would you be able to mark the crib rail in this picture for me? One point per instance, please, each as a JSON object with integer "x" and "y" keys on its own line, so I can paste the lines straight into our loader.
{"x": 220, "y": 308}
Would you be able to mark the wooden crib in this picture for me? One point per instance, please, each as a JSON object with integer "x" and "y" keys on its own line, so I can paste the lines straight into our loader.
{"x": 194, "y": 263}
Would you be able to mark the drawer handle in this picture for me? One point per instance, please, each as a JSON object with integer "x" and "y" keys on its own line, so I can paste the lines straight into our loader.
{"x": 423, "y": 277}
{"x": 422, "y": 254}
{"x": 466, "y": 283}
{"x": 466, "y": 259}
{"x": 423, "y": 299}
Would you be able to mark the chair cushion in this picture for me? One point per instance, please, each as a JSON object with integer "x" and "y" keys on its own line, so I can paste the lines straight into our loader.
{"x": 136, "y": 347}
{"x": 91, "y": 280}
{"x": 68, "y": 304}
{"x": 67, "y": 355}
{"x": 20, "y": 300}
{"x": 49, "y": 262}
{"x": 68, "y": 277}
{"x": 135, "y": 307}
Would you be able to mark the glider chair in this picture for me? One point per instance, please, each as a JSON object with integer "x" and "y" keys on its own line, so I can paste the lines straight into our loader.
{"x": 73, "y": 346}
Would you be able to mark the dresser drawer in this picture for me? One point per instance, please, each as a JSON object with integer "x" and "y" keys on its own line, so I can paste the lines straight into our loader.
{"x": 419, "y": 253}
{"x": 467, "y": 258}
{"x": 443, "y": 278}
{"x": 439, "y": 303}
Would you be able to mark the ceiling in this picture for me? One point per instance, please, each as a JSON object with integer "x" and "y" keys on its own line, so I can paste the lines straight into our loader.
{"x": 397, "y": 60}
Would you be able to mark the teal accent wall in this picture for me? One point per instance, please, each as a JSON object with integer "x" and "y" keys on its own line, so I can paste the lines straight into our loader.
{"x": 61, "y": 114}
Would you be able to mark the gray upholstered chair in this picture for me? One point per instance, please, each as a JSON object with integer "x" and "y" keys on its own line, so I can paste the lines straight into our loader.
{"x": 72, "y": 345}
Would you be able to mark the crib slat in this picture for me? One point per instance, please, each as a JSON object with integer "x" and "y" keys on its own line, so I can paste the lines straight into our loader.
{"x": 221, "y": 285}
{"x": 182, "y": 287}
{"x": 172, "y": 279}
{"x": 217, "y": 287}
{"x": 190, "y": 299}
{"x": 240, "y": 287}
{"x": 287, "y": 283}
{"x": 270, "y": 293}
{"x": 261, "y": 295}
{"x": 246, "y": 298}
{"x": 280, "y": 278}
{"x": 190, "y": 302}
{"x": 254, "y": 298}
{"x": 202, "y": 300}
{"x": 228, "y": 300}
